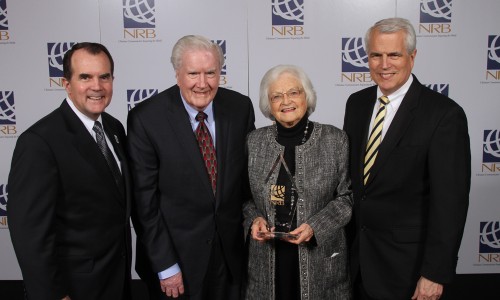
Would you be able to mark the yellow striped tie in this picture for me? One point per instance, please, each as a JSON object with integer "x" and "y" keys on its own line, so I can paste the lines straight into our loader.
{"x": 375, "y": 138}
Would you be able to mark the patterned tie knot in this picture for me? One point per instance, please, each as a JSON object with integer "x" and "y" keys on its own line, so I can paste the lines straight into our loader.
{"x": 97, "y": 127}
{"x": 201, "y": 116}
{"x": 384, "y": 100}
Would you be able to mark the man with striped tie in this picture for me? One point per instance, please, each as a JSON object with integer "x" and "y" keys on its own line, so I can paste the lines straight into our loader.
{"x": 410, "y": 169}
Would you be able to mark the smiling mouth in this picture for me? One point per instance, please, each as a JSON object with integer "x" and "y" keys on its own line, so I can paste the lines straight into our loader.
{"x": 95, "y": 98}
{"x": 288, "y": 109}
{"x": 387, "y": 75}
{"x": 201, "y": 92}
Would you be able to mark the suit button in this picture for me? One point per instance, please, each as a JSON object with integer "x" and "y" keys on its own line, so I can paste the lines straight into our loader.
{"x": 209, "y": 241}
{"x": 363, "y": 198}
{"x": 363, "y": 228}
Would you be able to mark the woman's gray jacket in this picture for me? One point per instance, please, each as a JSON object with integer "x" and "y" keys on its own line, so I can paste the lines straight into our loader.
{"x": 324, "y": 202}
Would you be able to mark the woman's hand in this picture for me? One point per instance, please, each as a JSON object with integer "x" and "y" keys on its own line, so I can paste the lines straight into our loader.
{"x": 260, "y": 225}
{"x": 304, "y": 232}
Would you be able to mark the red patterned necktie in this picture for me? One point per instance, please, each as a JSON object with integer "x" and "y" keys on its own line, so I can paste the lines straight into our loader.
{"x": 207, "y": 148}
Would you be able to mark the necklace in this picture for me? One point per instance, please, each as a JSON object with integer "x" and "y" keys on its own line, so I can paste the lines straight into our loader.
{"x": 304, "y": 139}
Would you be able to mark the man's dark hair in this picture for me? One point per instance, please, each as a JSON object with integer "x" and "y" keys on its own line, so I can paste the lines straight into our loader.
{"x": 92, "y": 48}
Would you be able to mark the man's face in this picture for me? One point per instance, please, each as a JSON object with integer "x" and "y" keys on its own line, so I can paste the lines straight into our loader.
{"x": 91, "y": 84}
{"x": 389, "y": 62}
{"x": 198, "y": 78}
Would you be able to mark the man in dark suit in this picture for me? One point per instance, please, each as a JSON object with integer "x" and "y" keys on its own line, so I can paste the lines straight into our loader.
{"x": 68, "y": 212}
{"x": 411, "y": 190}
{"x": 189, "y": 206}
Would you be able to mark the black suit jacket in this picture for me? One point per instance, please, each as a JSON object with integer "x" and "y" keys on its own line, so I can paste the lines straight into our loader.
{"x": 178, "y": 215}
{"x": 68, "y": 220}
{"x": 409, "y": 218}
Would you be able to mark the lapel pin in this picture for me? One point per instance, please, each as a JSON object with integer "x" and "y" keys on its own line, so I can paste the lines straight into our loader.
{"x": 116, "y": 139}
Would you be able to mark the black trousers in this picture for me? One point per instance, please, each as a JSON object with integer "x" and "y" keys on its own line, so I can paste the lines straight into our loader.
{"x": 359, "y": 292}
{"x": 217, "y": 285}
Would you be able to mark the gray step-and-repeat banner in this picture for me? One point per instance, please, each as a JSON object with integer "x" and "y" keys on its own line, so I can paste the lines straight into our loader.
{"x": 458, "y": 55}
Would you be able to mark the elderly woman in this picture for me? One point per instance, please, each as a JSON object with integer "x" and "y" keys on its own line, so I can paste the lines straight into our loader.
{"x": 301, "y": 199}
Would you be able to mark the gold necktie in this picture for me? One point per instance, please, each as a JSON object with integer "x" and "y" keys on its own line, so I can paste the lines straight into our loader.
{"x": 375, "y": 138}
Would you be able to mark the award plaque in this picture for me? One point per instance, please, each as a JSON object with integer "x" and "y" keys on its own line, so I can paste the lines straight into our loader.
{"x": 278, "y": 235}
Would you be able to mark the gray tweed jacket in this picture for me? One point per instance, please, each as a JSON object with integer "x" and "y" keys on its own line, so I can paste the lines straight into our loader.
{"x": 325, "y": 203}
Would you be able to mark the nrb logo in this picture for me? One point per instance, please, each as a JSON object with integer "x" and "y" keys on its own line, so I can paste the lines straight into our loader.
{"x": 287, "y": 12}
{"x": 442, "y": 88}
{"x": 3, "y": 200}
{"x": 7, "y": 114}
{"x": 4, "y": 21}
{"x": 489, "y": 237}
{"x": 222, "y": 44}
{"x": 56, "y": 53}
{"x": 491, "y": 146}
{"x": 493, "y": 60}
{"x": 354, "y": 57}
{"x": 435, "y": 11}
{"x": 139, "y": 13}
{"x": 136, "y": 96}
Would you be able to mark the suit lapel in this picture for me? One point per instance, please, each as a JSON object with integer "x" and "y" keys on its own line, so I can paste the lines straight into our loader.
{"x": 403, "y": 118}
{"x": 178, "y": 120}
{"x": 222, "y": 132}
{"x": 87, "y": 147}
{"x": 113, "y": 135}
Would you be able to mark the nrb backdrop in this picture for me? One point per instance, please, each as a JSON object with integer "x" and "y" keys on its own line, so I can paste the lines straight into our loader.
{"x": 458, "y": 44}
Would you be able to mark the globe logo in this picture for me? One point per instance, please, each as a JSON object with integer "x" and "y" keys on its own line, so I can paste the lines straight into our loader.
{"x": 7, "y": 116}
{"x": 494, "y": 52}
{"x": 277, "y": 194}
{"x": 440, "y": 88}
{"x": 137, "y": 96}
{"x": 354, "y": 57}
{"x": 4, "y": 22}
{"x": 56, "y": 53}
{"x": 491, "y": 146}
{"x": 222, "y": 45}
{"x": 288, "y": 12}
{"x": 489, "y": 237}
{"x": 435, "y": 11}
{"x": 3, "y": 200}
{"x": 139, "y": 13}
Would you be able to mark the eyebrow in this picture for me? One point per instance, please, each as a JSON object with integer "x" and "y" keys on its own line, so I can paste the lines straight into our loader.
{"x": 82, "y": 75}
{"x": 394, "y": 53}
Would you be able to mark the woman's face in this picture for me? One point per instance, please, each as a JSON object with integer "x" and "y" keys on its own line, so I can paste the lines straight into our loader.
{"x": 287, "y": 100}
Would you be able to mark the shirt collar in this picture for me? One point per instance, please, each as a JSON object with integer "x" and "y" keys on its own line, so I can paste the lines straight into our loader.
{"x": 193, "y": 112}
{"x": 88, "y": 122}
{"x": 398, "y": 95}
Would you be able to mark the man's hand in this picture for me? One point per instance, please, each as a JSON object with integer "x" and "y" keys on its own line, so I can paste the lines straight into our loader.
{"x": 173, "y": 286}
{"x": 66, "y": 298}
{"x": 427, "y": 290}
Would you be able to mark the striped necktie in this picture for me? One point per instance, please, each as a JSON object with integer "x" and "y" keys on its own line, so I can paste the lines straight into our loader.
{"x": 375, "y": 138}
